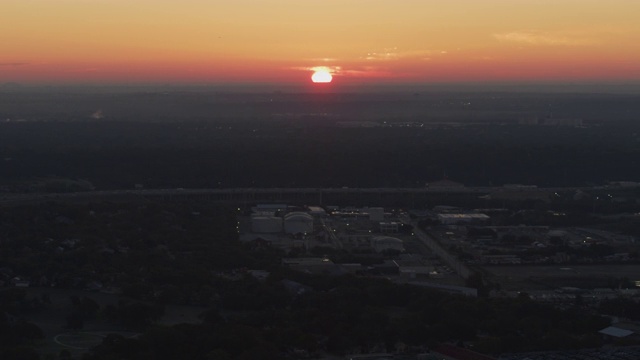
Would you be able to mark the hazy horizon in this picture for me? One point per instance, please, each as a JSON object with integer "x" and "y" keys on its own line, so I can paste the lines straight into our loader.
{"x": 604, "y": 87}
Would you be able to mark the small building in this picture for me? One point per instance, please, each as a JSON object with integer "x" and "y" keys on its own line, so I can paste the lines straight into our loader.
{"x": 385, "y": 243}
{"x": 19, "y": 282}
{"x": 390, "y": 227}
{"x": 508, "y": 259}
{"x": 316, "y": 211}
{"x": 614, "y": 332}
{"x": 314, "y": 266}
{"x": 387, "y": 267}
{"x": 269, "y": 208}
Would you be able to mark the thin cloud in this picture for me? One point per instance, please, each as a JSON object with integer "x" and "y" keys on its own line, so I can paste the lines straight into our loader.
{"x": 330, "y": 69}
{"x": 324, "y": 59}
{"x": 390, "y": 54}
{"x": 543, "y": 39}
{"x": 350, "y": 71}
{"x": 384, "y": 55}
{"x": 367, "y": 73}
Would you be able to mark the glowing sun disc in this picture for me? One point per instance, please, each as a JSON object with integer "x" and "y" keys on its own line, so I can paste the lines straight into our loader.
{"x": 321, "y": 76}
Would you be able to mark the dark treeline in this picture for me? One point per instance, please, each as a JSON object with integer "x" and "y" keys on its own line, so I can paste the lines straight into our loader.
{"x": 266, "y": 320}
{"x": 346, "y": 314}
{"x": 313, "y": 154}
{"x": 430, "y": 105}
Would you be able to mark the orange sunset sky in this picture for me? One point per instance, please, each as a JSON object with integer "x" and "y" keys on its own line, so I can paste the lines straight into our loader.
{"x": 280, "y": 41}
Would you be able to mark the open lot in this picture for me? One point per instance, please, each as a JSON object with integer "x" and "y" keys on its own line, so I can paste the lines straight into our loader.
{"x": 623, "y": 353}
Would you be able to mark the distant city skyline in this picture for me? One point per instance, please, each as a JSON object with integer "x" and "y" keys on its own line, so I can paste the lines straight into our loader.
{"x": 361, "y": 42}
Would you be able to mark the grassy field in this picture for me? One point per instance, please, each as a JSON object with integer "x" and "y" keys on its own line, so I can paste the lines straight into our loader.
{"x": 52, "y": 320}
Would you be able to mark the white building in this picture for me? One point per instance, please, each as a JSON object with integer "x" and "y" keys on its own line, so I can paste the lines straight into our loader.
{"x": 298, "y": 223}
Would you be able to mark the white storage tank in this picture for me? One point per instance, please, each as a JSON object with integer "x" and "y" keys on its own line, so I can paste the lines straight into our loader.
{"x": 298, "y": 223}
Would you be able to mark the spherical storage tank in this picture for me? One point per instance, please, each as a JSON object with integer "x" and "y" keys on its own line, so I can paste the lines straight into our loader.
{"x": 382, "y": 243}
{"x": 298, "y": 223}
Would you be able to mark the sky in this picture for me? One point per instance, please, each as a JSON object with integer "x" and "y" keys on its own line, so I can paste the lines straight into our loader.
{"x": 282, "y": 41}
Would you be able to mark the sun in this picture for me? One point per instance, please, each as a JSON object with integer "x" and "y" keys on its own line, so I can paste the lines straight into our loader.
{"x": 321, "y": 76}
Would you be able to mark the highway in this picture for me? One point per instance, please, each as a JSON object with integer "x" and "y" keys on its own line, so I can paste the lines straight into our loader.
{"x": 434, "y": 246}
{"x": 255, "y": 195}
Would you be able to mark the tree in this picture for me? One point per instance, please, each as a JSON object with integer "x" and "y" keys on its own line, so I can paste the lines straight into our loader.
{"x": 138, "y": 315}
{"x": 75, "y": 320}
{"x": 218, "y": 354}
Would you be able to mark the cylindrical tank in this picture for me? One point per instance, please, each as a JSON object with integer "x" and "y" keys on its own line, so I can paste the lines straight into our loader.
{"x": 298, "y": 223}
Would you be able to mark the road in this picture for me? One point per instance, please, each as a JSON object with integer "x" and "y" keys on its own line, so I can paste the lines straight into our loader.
{"x": 253, "y": 195}
{"x": 454, "y": 263}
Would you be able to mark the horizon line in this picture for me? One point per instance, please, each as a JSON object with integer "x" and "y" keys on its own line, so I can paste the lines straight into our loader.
{"x": 588, "y": 86}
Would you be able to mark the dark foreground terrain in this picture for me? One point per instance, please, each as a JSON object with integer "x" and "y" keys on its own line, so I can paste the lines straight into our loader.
{"x": 150, "y": 257}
